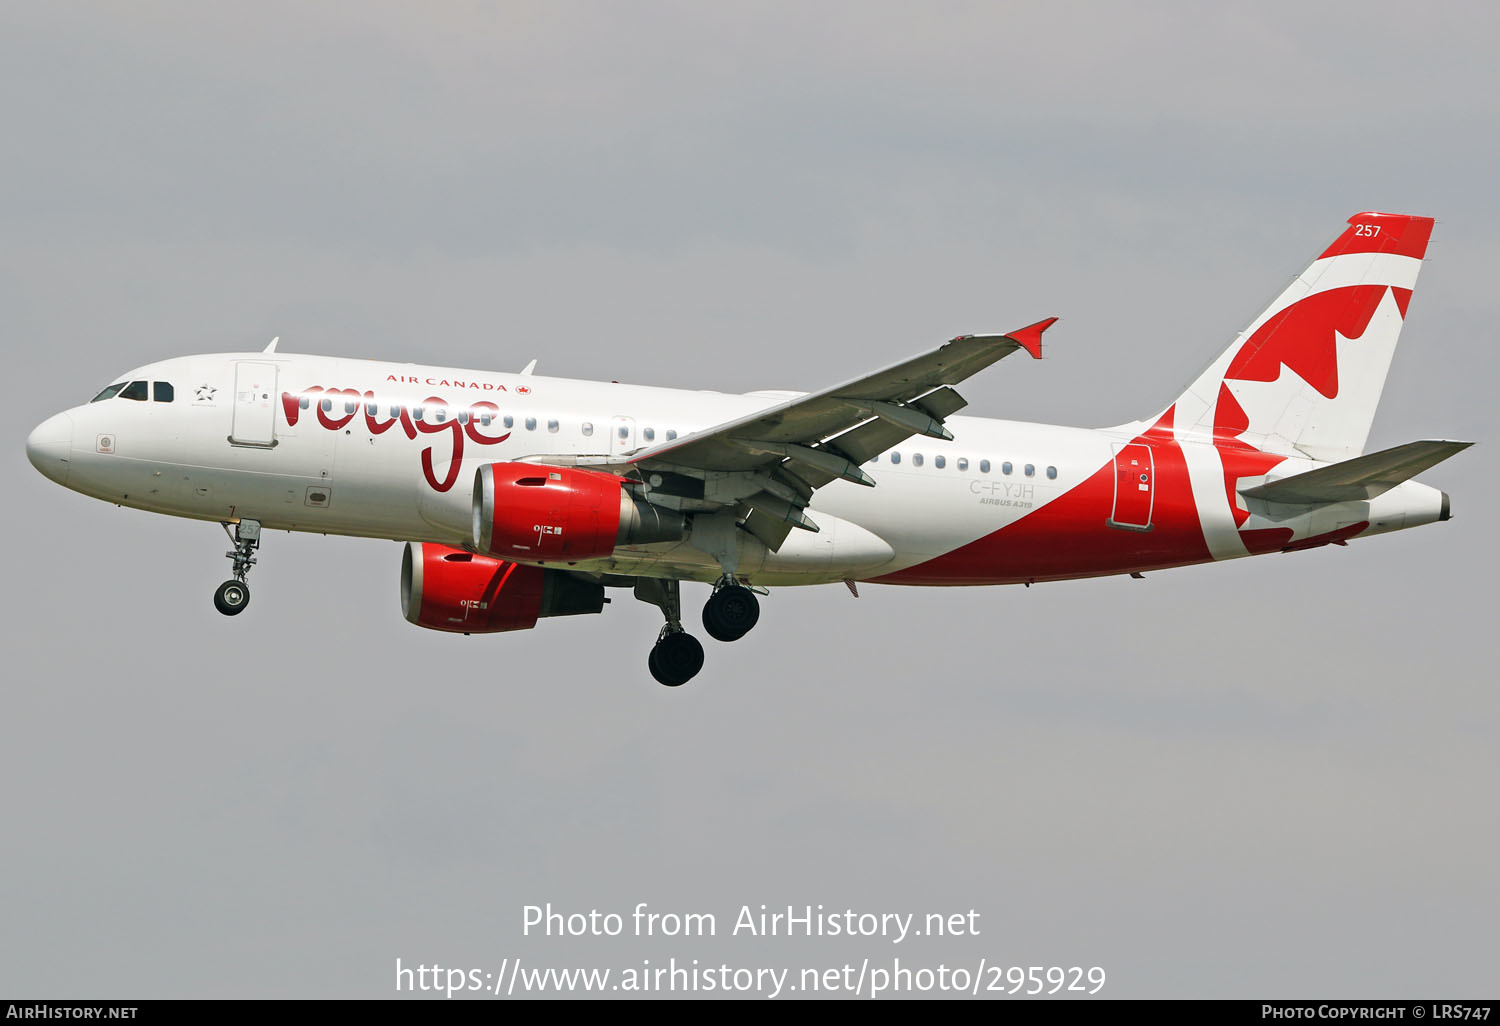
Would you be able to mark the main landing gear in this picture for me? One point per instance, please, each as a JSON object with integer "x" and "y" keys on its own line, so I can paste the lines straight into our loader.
{"x": 233, "y": 596}
{"x": 677, "y": 656}
{"x": 731, "y": 611}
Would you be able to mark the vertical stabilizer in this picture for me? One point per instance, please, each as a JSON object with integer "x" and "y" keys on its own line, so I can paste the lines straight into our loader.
{"x": 1305, "y": 377}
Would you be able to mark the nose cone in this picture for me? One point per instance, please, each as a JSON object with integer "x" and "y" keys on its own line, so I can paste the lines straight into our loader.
{"x": 50, "y": 447}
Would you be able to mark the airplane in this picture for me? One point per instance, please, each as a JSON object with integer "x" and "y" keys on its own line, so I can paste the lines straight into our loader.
{"x": 521, "y": 497}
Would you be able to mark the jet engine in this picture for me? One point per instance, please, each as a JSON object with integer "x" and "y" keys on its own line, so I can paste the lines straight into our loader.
{"x": 544, "y": 514}
{"x": 446, "y": 589}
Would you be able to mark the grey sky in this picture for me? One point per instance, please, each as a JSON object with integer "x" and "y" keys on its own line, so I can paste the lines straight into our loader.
{"x": 1274, "y": 777}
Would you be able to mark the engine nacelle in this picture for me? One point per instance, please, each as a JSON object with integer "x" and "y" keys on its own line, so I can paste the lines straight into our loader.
{"x": 446, "y": 589}
{"x": 562, "y": 514}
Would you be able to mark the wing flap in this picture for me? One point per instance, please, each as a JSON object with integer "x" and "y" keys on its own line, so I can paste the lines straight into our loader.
{"x": 940, "y": 403}
{"x": 769, "y": 529}
{"x": 857, "y": 445}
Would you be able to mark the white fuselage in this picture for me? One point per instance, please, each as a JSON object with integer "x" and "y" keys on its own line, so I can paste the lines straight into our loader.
{"x": 336, "y": 446}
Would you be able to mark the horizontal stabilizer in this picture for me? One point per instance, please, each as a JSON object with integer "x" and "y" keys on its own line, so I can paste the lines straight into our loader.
{"x": 1363, "y": 477}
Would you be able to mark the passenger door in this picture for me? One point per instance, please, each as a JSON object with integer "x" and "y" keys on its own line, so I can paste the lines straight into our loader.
{"x": 254, "y": 404}
{"x": 1135, "y": 481}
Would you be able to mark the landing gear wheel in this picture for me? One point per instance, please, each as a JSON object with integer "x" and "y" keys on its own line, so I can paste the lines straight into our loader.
{"x": 676, "y": 659}
{"x": 730, "y": 613}
{"x": 232, "y": 597}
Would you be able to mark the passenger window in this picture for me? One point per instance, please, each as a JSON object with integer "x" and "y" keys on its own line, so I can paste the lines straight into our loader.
{"x": 463, "y": 417}
{"x": 916, "y": 459}
{"x": 395, "y": 410}
{"x": 108, "y": 393}
{"x": 588, "y": 428}
{"x": 162, "y": 391}
{"x": 326, "y": 406}
{"x": 895, "y": 457}
{"x": 1030, "y": 470}
{"x": 372, "y": 410}
{"x": 939, "y": 462}
{"x": 508, "y": 421}
{"x": 351, "y": 407}
{"x": 671, "y": 435}
{"x": 135, "y": 390}
{"x": 1051, "y": 473}
{"x": 649, "y": 434}
{"x": 624, "y": 433}
{"x": 303, "y": 402}
{"x": 486, "y": 418}
{"x": 439, "y": 414}
{"x": 963, "y": 463}
{"x": 552, "y": 426}
{"x": 417, "y": 412}
{"x": 984, "y": 466}
{"x": 1006, "y": 468}
{"x": 530, "y": 423}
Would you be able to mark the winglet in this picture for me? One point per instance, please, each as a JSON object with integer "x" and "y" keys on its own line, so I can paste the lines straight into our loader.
{"x": 1029, "y": 338}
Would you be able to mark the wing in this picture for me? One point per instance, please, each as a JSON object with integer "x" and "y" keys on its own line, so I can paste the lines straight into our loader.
{"x": 767, "y": 465}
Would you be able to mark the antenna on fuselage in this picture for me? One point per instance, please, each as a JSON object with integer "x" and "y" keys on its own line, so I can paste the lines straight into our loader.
{"x": 528, "y": 368}
{"x": 271, "y": 346}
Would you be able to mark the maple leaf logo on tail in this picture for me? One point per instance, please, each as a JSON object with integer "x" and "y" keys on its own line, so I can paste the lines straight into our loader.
{"x": 1305, "y": 377}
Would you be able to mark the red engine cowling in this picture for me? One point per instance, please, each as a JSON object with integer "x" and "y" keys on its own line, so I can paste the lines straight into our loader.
{"x": 445, "y": 589}
{"x": 546, "y": 514}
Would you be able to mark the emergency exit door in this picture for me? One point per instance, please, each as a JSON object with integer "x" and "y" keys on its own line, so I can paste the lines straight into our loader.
{"x": 254, "y": 404}
{"x": 622, "y": 434}
{"x": 1135, "y": 484}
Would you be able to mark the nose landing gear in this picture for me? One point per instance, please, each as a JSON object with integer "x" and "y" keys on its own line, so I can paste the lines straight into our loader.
{"x": 233, "y": 596}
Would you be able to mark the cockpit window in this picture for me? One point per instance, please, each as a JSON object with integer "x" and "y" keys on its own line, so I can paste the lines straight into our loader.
{"x": 108, "y": 393}
{"x": 162, "y": 391}
{"x": 135, "y": 390}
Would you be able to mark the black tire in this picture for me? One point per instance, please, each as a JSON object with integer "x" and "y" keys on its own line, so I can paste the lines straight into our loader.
{"x": 676, "y": 659}
{"x": 730, "y": 613}
{"x": 232, "y": 597}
